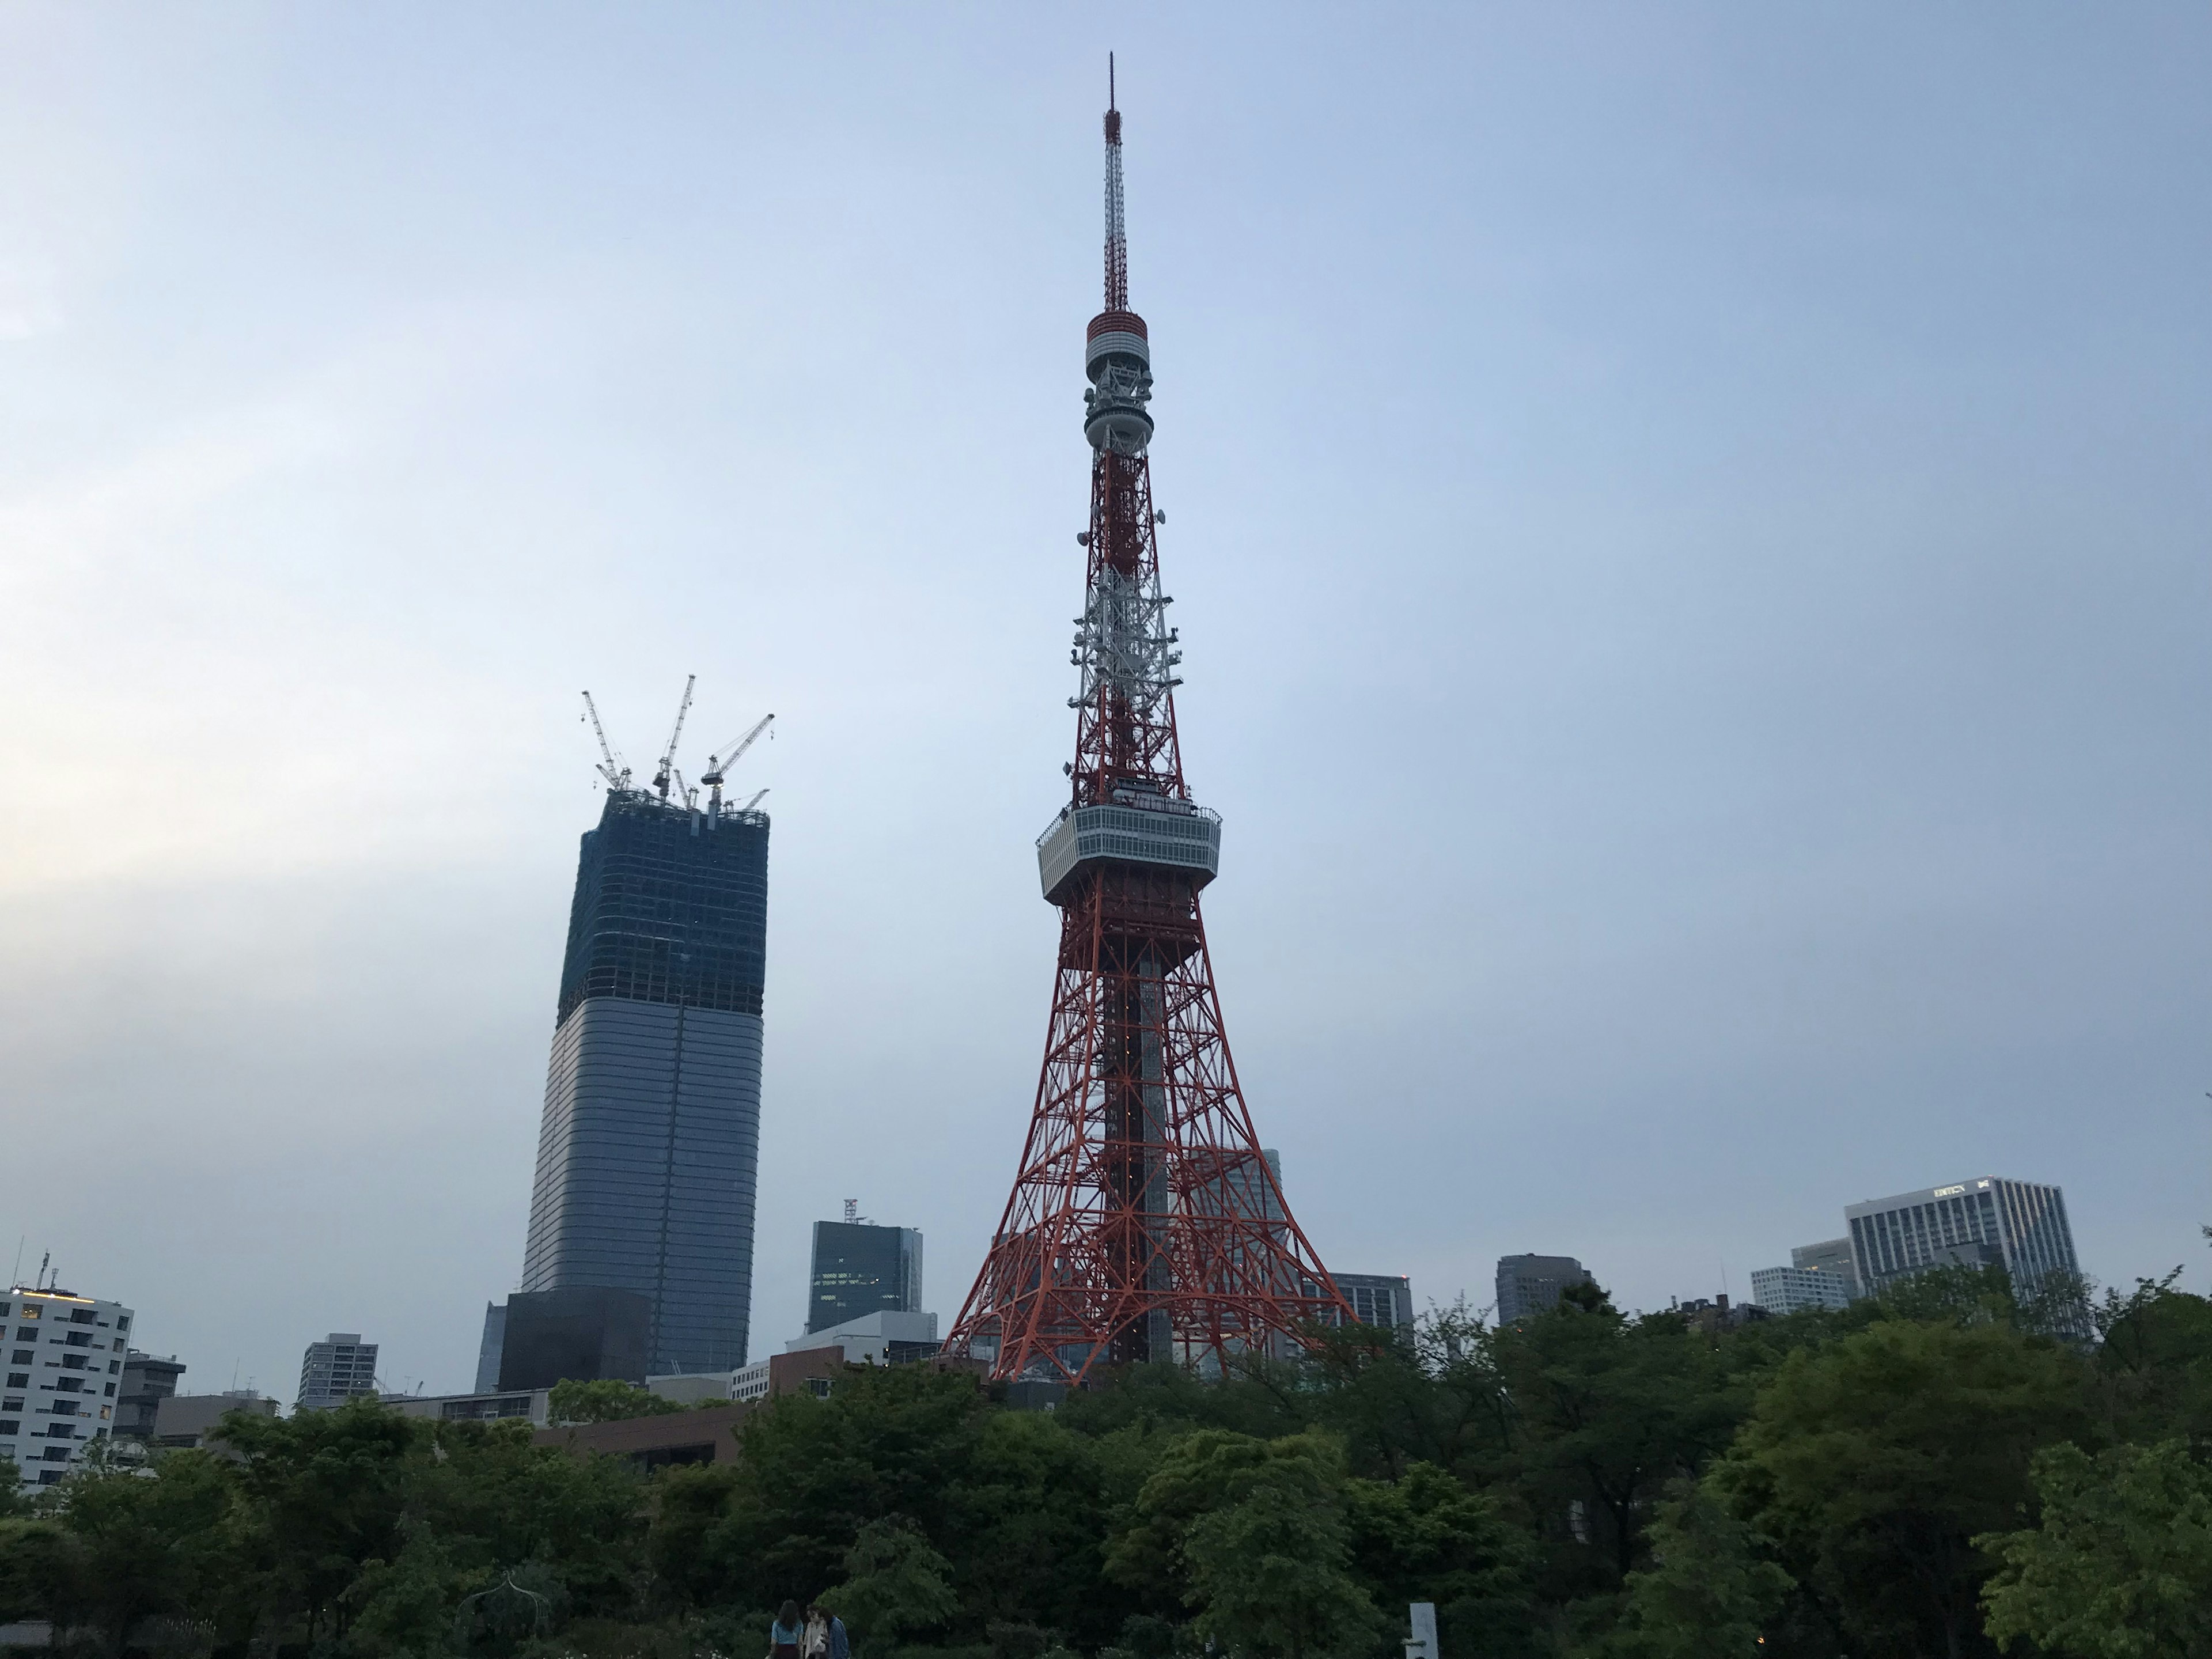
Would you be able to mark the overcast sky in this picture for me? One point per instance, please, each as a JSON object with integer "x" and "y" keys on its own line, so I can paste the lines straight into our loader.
{"x": 1689, "y": 531}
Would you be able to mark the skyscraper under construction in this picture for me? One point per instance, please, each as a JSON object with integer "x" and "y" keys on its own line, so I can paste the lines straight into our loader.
{"x": 649, "y": 1149}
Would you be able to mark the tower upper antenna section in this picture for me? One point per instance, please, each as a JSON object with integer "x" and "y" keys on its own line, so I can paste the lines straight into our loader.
{"x": 1117, "y": 241}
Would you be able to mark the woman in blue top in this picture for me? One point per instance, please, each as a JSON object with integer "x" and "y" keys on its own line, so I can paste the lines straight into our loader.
{"x": 784, "y": 1634}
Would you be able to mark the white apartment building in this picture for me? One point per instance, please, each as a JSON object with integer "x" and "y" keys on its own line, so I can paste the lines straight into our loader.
{"x": 64, "y": 1363}
{"x": 335, "y": 1370}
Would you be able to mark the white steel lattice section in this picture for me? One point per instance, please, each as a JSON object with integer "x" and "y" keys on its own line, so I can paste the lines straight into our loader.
{"x": 1125, "y": 733}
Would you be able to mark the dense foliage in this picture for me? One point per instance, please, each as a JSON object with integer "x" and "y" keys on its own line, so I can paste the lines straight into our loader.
{"x": 1932, "y": 1475}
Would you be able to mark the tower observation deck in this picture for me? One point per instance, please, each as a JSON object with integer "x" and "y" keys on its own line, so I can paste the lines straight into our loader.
{"x": 1144, "y": 1223}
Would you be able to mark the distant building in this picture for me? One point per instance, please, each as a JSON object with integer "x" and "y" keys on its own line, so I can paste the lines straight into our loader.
{"x": 588, "y": 1333}
{"x": 148, "y": 1380}
{"x": 183, "y": 1421}
{"x": 707, "y": 1435}
{"x": 1531, "y": 1285}
{"x": 1830, "y": 1256}
{"x": 804, "y": 1370}
{"x": 64, "y": 1372}
{"x": 1379, "y": 1299}
{"x": 488, "y": 1350}
{"x": 1792, "y": 1290}
{"x": 484, "y": 1405}
{"x": 1985, "y": 1222}
{"x": 335, "y": 1370}
{"x": 888, "y": 1337}
{"x": 1713, "y": 1314}
{"x": 860, "y": 1269}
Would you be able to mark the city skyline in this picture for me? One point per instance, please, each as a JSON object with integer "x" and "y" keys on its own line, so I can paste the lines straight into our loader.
{"x": 1694, "y": 523}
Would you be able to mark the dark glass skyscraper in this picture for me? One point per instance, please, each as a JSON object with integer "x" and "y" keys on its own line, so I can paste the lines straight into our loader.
{"x": 861, "y": 1268}
{"x": 649, "y": 1154}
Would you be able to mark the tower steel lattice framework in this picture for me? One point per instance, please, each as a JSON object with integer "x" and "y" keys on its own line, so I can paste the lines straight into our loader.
{"x": 1145, "y": 1221}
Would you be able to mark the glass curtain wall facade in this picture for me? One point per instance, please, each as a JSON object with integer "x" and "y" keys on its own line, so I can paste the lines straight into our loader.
{"x": 861, "y": 1268}
{"x": 648, "y": 1153}
{"x": 2018, "y": 1223}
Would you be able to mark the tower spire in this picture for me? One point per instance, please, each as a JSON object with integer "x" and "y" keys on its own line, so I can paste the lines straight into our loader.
{"x": 1117, "y": 241}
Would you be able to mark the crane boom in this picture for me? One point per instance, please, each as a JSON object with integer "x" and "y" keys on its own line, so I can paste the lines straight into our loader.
{"x": 610, "y": 766}
{"x": 719, "y": 762}
{"x": 668, "y": 755}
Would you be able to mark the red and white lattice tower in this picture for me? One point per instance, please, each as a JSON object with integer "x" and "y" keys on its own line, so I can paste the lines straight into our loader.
{"x": 1144, "y": 1223}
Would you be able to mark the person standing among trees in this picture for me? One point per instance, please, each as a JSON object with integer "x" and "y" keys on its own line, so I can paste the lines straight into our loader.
{"x": 786, "y": 1634}
{"x": 825, "y": 1635}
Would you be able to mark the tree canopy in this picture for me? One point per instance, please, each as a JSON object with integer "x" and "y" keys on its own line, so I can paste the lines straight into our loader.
{"x": 1933, "y": 1474}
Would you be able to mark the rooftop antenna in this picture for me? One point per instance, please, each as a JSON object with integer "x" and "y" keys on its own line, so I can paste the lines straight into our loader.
{"x": 16, "y": 1274}
{"x": 39, "y": 1283}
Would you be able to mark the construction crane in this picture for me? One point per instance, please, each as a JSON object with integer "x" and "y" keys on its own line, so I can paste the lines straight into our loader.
{"x": 668, "y": 755}
{"x": 610, "y": 766}
{"x": 719, "y": 762}
{"x": 754, "y": 802}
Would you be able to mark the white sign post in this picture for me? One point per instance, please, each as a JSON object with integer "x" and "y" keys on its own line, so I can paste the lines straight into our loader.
{"x": 1422, "y": 1644}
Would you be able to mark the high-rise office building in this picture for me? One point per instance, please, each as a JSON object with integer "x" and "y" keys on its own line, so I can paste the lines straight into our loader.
{"x": 64, "y": 1371}
{"x": 648, "y": 1153}
{"x": 335, "y": 1370}
{"x": 1985, "y": 1222}
{"x": 861, "y": 1268}
{"x": 1379, "y": 1299}
{"x": 1792, "y": 1290}
{"x": 586, "y": 1333}
{"x": 1830, "y": 1255}
{"x": 1531, "y": 1284}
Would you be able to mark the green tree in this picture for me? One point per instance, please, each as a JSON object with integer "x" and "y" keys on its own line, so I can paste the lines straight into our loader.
{"x": 41, "y": 1572}
{"x": 2120, "y": 1566}
{"x": 146, "y": 1543}
{"x": 1254, "y": 1532}
{"x": 1874, "y": 1462}
{"x": 895, "y": 1583}
{"x": 1425, "y": 1537}
{"x": 1607, "y": 1410}
{"x": 2154, "y": 1363}
{"x": 321, "y": 1496}
{"x": 1708, "y": 1592}
{"x": 605, "y": 1400}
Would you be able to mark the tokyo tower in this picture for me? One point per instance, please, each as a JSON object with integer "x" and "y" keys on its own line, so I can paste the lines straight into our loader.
{"x": 1145, "y": 1222}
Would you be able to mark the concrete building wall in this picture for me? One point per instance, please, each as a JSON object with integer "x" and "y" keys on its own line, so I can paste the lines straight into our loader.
{"x": 187, "y": 1419}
